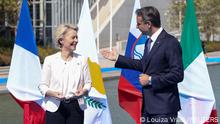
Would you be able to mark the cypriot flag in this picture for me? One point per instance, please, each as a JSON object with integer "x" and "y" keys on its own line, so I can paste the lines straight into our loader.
{"x": 97, "y": 111}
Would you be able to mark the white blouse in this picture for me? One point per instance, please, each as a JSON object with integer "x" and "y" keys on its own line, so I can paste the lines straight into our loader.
{"x": 65, "y": 76}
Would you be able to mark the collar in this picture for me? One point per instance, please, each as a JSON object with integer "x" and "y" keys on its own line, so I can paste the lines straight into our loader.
{"x": 156, "y": 34}
{"x": 58, "y": 55}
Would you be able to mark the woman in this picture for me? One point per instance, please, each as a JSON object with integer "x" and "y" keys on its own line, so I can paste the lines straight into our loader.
{"x": 65, "y": 80}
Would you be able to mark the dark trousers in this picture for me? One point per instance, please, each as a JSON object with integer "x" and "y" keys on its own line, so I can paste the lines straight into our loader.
{"x": 67, "y": 113}
{"x": 158, "y": 118}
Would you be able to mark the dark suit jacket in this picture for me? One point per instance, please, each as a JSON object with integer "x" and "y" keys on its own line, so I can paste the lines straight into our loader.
{"x": 164, "y": 65}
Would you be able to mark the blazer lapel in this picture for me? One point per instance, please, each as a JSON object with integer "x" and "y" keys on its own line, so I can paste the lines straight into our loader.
{"x": 154, "y": 49}
{"x": 75, "y": 70}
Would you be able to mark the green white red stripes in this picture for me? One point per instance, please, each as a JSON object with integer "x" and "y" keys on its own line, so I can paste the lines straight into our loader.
{"x": 196, "y": 94}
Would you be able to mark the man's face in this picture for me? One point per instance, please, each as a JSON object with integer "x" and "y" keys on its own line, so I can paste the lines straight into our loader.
{"x": 143, "y": 27}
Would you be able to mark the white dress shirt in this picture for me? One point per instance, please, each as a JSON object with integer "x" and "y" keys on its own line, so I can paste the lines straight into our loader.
{"x": 155, "y": 36}
{"x": 63, "y": 76}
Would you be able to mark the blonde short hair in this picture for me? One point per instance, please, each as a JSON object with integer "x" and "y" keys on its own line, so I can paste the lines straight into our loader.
{"x": 61, "y": 30}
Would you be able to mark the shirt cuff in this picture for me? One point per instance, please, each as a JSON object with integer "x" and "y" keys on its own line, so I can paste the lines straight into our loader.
{"x": 117, "y": 57}
{"x": 43, "y": 89}
{"x": 87, "y": 87}
{"x": 149, "y": 81}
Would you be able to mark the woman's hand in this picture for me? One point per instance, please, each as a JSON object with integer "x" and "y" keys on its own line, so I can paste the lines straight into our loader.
{"x": 80, "y": 93}
{"x": 55, "y": 94}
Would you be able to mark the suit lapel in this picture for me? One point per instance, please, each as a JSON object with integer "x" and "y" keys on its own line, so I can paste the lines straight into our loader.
{"x": 154, "y": 49}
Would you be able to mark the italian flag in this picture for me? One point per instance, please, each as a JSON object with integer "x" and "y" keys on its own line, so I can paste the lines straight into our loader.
{"x": 196, "y": 94}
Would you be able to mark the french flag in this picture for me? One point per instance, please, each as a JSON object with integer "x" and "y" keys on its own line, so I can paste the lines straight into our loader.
{"x": 25, "y": 70}
{"x": 129, "y": 88}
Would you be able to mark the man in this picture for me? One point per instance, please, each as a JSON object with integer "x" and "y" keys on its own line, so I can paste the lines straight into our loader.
{"x": 162, "y": 69}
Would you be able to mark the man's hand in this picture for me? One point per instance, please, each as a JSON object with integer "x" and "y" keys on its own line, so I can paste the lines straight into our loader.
{"x": 144, "y": 79}
{"x": 110, "y": 55}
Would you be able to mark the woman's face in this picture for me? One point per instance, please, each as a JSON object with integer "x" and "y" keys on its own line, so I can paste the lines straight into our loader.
{"x": 70, "y": 40}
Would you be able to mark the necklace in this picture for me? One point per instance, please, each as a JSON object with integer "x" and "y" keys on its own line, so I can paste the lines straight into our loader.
{"x": 66, "y": 59}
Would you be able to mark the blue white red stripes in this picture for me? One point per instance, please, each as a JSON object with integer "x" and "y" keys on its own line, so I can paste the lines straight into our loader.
{"x": 25, "y": 70}
{"x": 129, "y": 88}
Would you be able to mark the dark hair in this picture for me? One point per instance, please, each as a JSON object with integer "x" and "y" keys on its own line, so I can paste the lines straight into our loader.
{"x": 151, "y": 14}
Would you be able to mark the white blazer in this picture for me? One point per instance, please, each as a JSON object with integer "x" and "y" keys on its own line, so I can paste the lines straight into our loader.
{"x": 66, "y": 77}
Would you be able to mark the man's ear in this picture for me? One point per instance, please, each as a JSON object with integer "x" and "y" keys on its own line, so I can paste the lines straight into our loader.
{"x": 149, "y": 24}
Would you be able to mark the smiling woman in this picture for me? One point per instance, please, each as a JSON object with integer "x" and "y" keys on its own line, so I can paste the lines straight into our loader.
{"x": 65, "y": 80}
{"x": 67, "y": 30}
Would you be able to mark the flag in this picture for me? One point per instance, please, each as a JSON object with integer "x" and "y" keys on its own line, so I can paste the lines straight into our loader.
{"x": 196, "y": 94}
{"x": 25, "y": 70}
{"x": 129, "y": 88}
{"x": 97, "y": 111}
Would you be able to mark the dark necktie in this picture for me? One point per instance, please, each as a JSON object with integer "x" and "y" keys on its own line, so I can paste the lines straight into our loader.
{"x": 149, "y": 42}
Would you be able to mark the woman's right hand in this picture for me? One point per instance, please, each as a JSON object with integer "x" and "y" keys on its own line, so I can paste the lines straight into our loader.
{"x": 55, "y": 94}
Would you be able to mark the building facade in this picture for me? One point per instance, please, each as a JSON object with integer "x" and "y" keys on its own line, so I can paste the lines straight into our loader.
{"x": 47, "y": 14}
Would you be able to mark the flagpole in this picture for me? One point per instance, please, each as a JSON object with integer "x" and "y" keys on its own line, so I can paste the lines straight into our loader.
{"x": 97, "y": 30}
{"x": 110, "y": 25}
